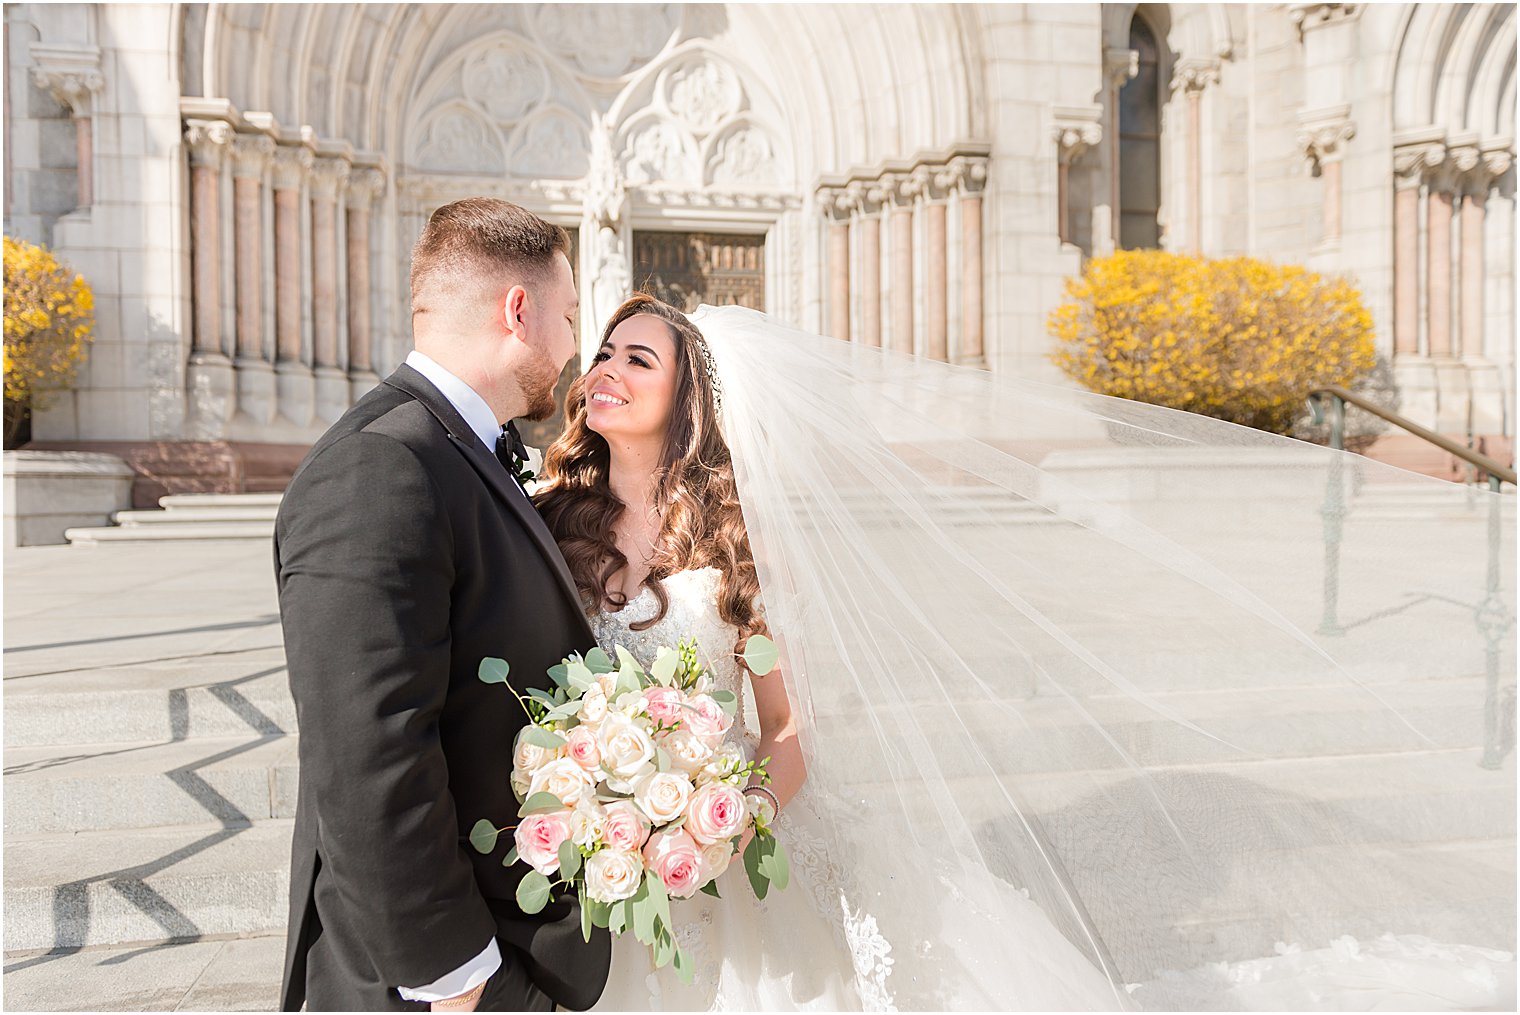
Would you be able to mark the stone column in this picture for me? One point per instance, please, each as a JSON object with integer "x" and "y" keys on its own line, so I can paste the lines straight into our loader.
{"x": 297, "y": 390}
{"x": 327, "y": 176}
{"x": 363, "y": 185}
{"x": 1192, "y": 77}
{"x": 1472, "y": 189}
{"x": 971, "y": 176}
{"x": 71, "y": 77}
{"x": 901, "y": 195}
{"x": 1072, "y": 137}
{"x": 932, "y": 187}
{"x": 1441, "y": 182}
{"x": 1119, "y": 65}
{"x": 209, "y": 376}
{"x": 1410, "y": 165}
{"x": 836, "y": 206}
{"x": 1322, "y": 135}
{"x": 256, "y": 387}
{"x": 869, "y": 202}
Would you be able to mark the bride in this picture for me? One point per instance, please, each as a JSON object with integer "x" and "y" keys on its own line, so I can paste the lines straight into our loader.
{"x": 1041, "y": 741}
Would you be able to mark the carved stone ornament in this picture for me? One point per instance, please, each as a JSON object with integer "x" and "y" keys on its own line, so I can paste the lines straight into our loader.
{"x": 250, "y": 154}
{"x": 1072, "y": 139}
{"x": 1311, "y": 16}
{"x": 207, "y": 141}
{"x": 71, "y": 74}
{"x": 605, "y": 40}
{"x": 702, "y": 93}
{"x": 657, "y": 154}
{"x": 1322, "y": 134}
{"x": 552, "y": 146}
{"x": 291, "y": 164}
{"x": 1195, "y": 75}
{"x": 505, "y": 80}
{"x": 746, "y": 156}
{"x": 1119, "y": 65}
{"x": 457, "y": 140}
{"x": 364, "y": 183}
{"x": 606, "y": 197}
{"x": 327, "y": 175}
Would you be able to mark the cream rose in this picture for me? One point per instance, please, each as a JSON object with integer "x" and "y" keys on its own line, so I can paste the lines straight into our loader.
{"x": 725, "y": 761}
{"x": 582, "y": 748}
{"x": 717, "y": 813}
{"x": 706, "y": 718}
{"x": 565, "y": 779}
{"x": 625, "y": 747}
{"x": 662, "y": 796}
{"x": 715, "y": 860}
{"x": 625, "y": 827}
{"x": 593, "y": 707}
{"x": 538, "y": 838}
{"x": 674, "y": 858}
{"x": 687, "y": 751}
{"x": 613, "y": 875}
{"x": 587, "y": 823}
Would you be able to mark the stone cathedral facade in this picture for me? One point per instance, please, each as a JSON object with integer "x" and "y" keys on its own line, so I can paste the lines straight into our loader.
{"x": 241, "y": 183}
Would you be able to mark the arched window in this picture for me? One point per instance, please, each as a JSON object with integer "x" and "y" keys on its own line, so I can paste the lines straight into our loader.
{"x": 1140, "y": 144}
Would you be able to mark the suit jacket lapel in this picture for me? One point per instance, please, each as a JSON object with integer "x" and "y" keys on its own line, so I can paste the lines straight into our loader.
{"x": 491, "y": 470}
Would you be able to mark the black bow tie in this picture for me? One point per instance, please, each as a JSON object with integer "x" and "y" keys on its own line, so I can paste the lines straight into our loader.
{"x": 512, "y": 452}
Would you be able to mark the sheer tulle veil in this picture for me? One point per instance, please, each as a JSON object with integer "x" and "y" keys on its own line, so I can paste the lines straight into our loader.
{"x": 1096, "y": 688}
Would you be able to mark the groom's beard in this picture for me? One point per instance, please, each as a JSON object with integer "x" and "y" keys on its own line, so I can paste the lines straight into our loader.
{"x": 536, "y": 380}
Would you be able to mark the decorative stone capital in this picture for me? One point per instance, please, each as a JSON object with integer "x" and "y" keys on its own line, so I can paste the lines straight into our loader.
{"x": 1075, "y": 131}
{"x": 1119, "y": 65}
{"x": 327, "y": 175}
{"x": 1413, "y": 162}
{"x": 71, "y": 74}
{"x": 969, "y": 173}
{"x": 208, "y": 141}
{"x": 1323, "y": 133}
{"x": 834, "y": 202}
{"x": 1307, "y": 17}
{"x": 1498, "y": 157}
{"x": 291, "y": 164}
{"x": 364, "y": 183}
{"x": 250, "y": 154}
{"x": 1192, "y": 76}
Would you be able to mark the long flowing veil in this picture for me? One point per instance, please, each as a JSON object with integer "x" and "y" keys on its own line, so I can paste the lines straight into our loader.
{"x": 1091, "y": 683}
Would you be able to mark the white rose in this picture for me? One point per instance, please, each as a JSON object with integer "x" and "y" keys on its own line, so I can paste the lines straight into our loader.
{"x": 586, "y": 822}
{"x": 687, "y": 751}
{"x": 529, "y": 758}
{"x": 626, "y": 747}
{"x": 724, "y": 761}
{"x": 613, "y": 875}
{"x": 606, "y": 682}
{"x": 716, "y": 858}
{"x": 565, "y": 779}
{"x": 593, "y": 707}
{"x": 662, "y": 796}
{"x": 621, "y": 785}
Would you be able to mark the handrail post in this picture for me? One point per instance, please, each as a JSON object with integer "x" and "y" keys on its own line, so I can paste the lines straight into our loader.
{"x": 1334, "y": 514}
{"x": 1494, "y": 624}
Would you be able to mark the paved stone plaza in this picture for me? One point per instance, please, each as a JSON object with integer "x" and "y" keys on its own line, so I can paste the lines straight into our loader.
{"x": 149, "y": 778}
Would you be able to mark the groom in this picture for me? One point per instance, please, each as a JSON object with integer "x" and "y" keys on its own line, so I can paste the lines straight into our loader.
{"x": 406, "y": 552}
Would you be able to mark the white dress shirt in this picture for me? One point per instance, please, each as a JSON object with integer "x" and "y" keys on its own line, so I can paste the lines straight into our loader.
{"x": 483, "y": 421}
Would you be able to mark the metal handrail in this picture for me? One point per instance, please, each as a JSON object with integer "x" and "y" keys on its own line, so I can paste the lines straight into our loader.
{"x": 1477, "y": 459}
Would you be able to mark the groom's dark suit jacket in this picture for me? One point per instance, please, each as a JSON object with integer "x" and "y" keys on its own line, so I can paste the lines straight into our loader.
{"x": 405, "y": 554}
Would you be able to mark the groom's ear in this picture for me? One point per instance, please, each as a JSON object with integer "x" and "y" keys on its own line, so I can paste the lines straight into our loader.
{"x": 513, "y": 309}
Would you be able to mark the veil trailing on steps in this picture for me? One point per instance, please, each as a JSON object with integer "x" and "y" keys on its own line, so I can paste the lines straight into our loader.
{"x": 1220, "y": 718}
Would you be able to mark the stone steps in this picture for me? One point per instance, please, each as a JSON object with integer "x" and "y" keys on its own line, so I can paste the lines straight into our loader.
{"x": 171, "y": 530}
{"x": 147, "y": 886}
{"x": 189, "y": 516}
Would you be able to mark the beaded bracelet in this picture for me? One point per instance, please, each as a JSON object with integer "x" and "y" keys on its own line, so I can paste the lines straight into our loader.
{"x": 775, "y": 801}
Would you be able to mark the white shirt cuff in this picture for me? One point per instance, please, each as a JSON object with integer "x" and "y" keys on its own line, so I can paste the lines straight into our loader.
{"x": 461, "y": 981}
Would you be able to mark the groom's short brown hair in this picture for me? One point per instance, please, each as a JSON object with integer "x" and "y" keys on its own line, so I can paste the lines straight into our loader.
{"x": 478, "y": 245}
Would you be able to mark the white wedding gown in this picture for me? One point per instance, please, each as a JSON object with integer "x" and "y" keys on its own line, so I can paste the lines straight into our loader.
{"x": 808, "y": 948}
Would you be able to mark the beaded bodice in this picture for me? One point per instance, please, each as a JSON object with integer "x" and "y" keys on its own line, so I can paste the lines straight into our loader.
{"x": 693, "y": 613}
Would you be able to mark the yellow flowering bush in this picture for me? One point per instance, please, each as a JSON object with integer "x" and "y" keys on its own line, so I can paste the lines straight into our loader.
{"x": 1236, "y": 339}
{"x": 49, "y": 317}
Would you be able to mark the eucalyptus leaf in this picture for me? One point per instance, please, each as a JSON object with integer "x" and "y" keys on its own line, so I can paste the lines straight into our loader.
{"x": 539, "y": 694}
{"x": 585, "y": 916}
{"x": 761, "y": 654}
{"x": 510, "y": 858}
{"x": 579, "y": 675}
{"x": 677, "y": 823}
{"x": 618, "y": 920}
{"x": 563, "y": 711}
{"x": 540, "y": 803}
{"x": 483, "y": 836}
{"x": 775, "y": 867}
{"x": 757, "y": 880}
{"x": 597, "y": 661}
{"x": 494, "y": 671}
{"x": 660, "y": 897}
{"x": 661, "y": 760}
{"x": 664, "y": 668}
{"x": 727, "y": 700}
{"x": 569, "y": 859}
{"x": 601, "y": 913}
{"x": 711, "y": 888}
{"x": 683, "y": 967}
{"x": 626, "y": 682}
{"x": 560, "y": 675}
{"x": 663, "y": 950}
{"x": 643, "y": 912}
{"x": 626, "y": 662}
{"x": 533, "y": 892}
{"x": 540, "y": 737}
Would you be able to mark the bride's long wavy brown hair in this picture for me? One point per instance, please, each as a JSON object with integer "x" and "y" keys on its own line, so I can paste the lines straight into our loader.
{"x": 701, "y": 523}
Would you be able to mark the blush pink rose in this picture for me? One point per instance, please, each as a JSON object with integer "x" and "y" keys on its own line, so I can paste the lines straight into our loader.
{"x": 676, "y": 859}
{"x": 624, "y": 827}
{"x": 665, "y": 705}
{"x": 581, "y": 747}
{"x": 716, "y": 813}
{"x": 538, "y": 839}
{"x": 706, "y": 718}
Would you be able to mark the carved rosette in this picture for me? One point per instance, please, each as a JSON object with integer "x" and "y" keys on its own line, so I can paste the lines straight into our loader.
{"x": 208, "y": 142}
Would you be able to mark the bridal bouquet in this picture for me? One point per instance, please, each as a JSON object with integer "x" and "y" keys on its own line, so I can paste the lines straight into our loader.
{"x": 629, "y": 795}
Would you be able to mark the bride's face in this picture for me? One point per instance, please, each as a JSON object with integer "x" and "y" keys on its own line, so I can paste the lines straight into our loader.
{"x": 631, "y": 386}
